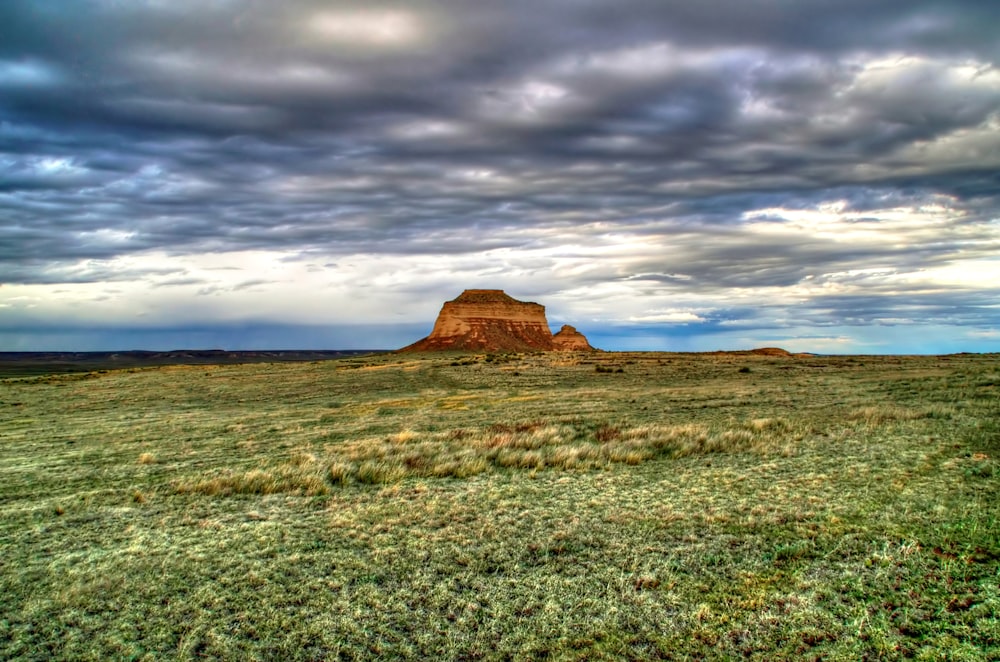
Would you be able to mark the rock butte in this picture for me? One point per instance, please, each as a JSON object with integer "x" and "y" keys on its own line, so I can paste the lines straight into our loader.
{"x": 570, "y": 340}
{"x": 491, "y": 320}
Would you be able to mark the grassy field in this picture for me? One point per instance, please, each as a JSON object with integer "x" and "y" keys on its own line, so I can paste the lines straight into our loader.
{"x": 611, "y": 506}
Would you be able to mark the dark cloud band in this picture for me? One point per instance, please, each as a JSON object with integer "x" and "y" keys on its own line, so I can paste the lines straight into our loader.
{"x": 333, "y": 129}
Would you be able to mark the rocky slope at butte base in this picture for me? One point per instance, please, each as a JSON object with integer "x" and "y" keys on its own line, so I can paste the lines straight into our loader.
{"x": 490, "y": 320}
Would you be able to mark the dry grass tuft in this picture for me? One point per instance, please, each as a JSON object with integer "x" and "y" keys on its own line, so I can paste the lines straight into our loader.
{"x": 874, "y": 415}
{"x": 530, "y": 446}
{"x": 284, "y": 479}
{"x": 378, "y": 472}
{"x": 608, "y": 433}
{"x": 404, "y": 437}
{"x": 339, "y": 473}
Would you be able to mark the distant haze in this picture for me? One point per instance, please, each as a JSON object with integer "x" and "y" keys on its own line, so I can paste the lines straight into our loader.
{"x": 819, "y": 176}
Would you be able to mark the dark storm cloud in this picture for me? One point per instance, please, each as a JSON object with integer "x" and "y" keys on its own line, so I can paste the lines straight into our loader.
{"x": 339, "y": 128}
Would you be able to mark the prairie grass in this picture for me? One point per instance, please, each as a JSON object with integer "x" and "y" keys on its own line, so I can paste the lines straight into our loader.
{"x": 444, "y": 507}
{"x": 295, "y": 479}
{"x": 532, "y": 445}
{"x": 880, "y": 414}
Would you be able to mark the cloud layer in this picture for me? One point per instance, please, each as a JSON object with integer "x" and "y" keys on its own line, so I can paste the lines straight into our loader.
{"x": 732, "y": 171}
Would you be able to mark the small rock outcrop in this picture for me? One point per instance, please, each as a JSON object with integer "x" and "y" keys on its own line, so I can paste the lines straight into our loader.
{"x": 490, "y": 320}
{"x": 570, "y": 340}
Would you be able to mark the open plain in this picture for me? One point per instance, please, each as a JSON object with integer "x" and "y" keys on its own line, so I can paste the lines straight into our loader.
{"x": 520, "y": 506}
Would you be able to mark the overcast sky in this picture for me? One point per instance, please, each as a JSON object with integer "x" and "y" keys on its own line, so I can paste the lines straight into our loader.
{"x": 820, "y": 175}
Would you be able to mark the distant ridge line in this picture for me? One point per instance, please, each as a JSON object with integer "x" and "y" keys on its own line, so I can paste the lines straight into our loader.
{"x": 14, "y": 364}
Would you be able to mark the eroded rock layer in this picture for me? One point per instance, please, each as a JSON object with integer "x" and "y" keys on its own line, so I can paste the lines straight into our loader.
{"x": 570, "y": 340}
{"x": 490, "y": 320}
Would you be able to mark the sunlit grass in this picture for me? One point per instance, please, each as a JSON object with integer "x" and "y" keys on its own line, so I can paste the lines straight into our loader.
{"x": 461, "y": 453}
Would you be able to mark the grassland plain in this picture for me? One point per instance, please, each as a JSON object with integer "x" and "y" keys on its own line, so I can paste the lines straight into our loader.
{"x": 505, "y": 507}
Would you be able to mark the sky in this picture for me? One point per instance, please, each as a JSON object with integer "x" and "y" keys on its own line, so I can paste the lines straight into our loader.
{"x": 818, "y": 175}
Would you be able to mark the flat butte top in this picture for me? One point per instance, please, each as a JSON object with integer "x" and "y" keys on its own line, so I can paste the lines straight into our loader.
{"x": 486, "y": 296}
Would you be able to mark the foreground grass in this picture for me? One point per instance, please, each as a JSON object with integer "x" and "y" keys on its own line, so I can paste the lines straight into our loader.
{"x": 610, "y": 506}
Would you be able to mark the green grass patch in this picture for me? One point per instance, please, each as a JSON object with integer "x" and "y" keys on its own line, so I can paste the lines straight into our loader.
{"x": 446, "y": 507}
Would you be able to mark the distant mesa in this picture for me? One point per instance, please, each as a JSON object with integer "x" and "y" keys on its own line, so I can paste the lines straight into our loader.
{"x": 770, "y": 351}
{"x": 491, "y": 320}
{"x": 760, "y": 351}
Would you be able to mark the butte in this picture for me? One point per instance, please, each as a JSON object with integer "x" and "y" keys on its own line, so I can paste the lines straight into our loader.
{"x": 492, "y": 321}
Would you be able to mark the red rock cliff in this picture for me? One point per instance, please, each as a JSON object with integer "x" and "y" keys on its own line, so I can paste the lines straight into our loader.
{"x": 570, "y": 340}
{"x": 489, "y": 320}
